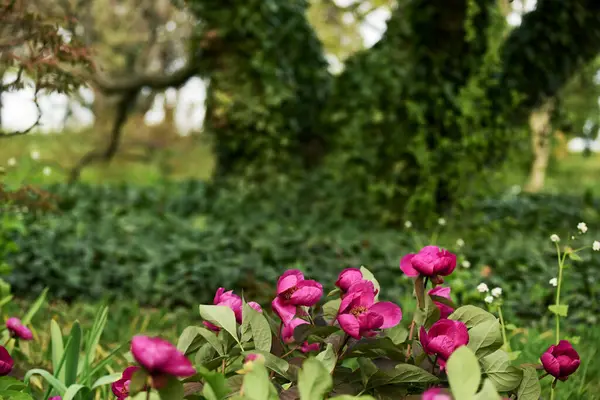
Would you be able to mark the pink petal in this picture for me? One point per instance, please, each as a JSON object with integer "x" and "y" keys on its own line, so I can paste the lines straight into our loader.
{"x": 348, "y": 277}
{"x": 178, "y": 365}
{"x": 424, "y": 339}
{"x": 151, "y": 353}
{"x": 391, "y": 313}
{"x": 425, "y": 260}
{"x": 286, "y": 312}
{"x": 550, "y": 364}
{"x": 19, "y": 330}
{"x": 349, "y": 301}
{"x": 369, "y": 321}
{"x": 406, "y": 265}
{"x": 288, "y": 280}
{"x": 211, "y": 326}
{"x": 569, "y": 368}
{"x": 287, "y": 331}
{"x": 447, "y": 263}
{"x": 308, "y": 294}
{"x": 218, "y": 295}
{"x": 307, "y": 348}
{"x": 440, "y": 291}
{"x": 564, "y": 347}
{"x": 445, "y": 310}
{"x": 459, "y": 333}
{"x": 442, "y": 345}
{"x": 435, "y": 394}
{"x": 255, "y": 306}
{"x": 128, "y": 372}
{"x": 6, "y": 362}
{"x": 350, "y": 325}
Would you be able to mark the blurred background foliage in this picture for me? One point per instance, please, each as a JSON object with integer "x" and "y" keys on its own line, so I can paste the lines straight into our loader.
{"x": 327, "y": 126}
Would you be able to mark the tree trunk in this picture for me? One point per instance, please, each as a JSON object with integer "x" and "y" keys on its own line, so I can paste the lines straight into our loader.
{"x": 541, "y": 142}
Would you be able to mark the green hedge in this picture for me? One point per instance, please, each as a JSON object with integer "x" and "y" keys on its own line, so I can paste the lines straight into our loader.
{"x": 176, "y": 244}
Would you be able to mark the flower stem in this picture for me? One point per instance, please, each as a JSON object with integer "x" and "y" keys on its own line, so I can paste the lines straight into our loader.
{"x": 506, "y": 344}
{"x": 148, "y": 394}
{"x": 561, "y": 262}
{"x": 420, "y": 293}
{"x": 291, "y": 351}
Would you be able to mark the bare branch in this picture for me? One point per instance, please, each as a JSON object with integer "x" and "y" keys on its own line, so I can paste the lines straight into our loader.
{"x": 4, "y": 135}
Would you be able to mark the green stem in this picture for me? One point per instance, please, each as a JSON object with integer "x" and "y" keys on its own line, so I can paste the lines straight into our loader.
{"x": 506, "y": 344}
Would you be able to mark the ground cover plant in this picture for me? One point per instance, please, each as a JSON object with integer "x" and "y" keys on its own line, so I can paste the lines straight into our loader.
{"x": 345, "y": 343}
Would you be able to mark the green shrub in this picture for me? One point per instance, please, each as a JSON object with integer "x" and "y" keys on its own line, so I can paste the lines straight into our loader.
{"x": 175, "y": 245}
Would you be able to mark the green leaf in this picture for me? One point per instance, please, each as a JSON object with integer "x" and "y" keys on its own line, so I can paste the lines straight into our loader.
{"x": 498, "y": 369}
{"x": 331, "y": 308}
{"x": 210, "y": 338}
{"x": 261, "y": 330}
{"x": 57, "y": 349}
{"x": 429, "y": 315}
{"x": 488, "y": 392}
{"x": 74, "y": 390}
{"x": 560, "y": 310}
{"x": 403, "y": 373}
{"x": 367, "y": 370}
{"x": 314, "y": 381}
{"x": 530, "y": 388}
{"x": 485, "y": 338}
{"x": 55, "y": 383}
{"x": 35, "y": 307}
{"x": 273, "y": 363}
{"x": 463, "y": 373}
{"x": 138, "y": 382}
{"x": 471, "y": 316}
{"x": 94, "y": 336}
{"x": 72, "y": 355}
{"x": 186, "y": 339}
{"x": 351, "y": 363}
{"x": 10, "y": 383}
{"x": 222, "y": 316}
{"x": 328, "y": 358}
{"x": 173, "y": 390}
{"x": 574, "y": 256}
{"x": 368, "y": 275}
{"x": 216, "y": 387}
{"x": 257, "y": 385}
{"x": 14, "y": 395}
{"x": 302, "y": 332}
{"x": 398, "y": 334}
{"x": 106, "y": 380}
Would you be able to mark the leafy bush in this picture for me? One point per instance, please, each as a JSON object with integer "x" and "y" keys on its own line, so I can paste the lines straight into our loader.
{"x": 176, "y": 244}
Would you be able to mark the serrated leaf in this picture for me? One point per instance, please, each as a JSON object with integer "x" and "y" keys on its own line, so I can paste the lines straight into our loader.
{"x": 498, "y": 369}
{"x": 561, "y": 310}
{"x": 463, "y": 373}
{"x": 530, "y": 388}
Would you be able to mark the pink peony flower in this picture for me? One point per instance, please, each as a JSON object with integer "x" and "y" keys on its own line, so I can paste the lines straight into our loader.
{"x": 430, "y": 261}
{"x": 287, "y": 335}
{"x": 436, "y": 394}
{"x": 359, "y": 315}
{"x": 60, "y": 398}
{"x": 294, "y": 291}
{"x": 347, "y": 278}
{"x": 561, "y": 360}
{"x": 443, "y": 338}
{"x": 233, "y": 301}
{"x": 159, "y": 357}
{"x": 18, "y": 330}
{"x": 120, "y": 388}
{"x": 6, "y": 362}
{"x": 445, "y": 310}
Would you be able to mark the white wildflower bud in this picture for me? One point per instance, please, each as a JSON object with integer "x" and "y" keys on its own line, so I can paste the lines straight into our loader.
{"x": 555, "y": 238}
{"x": 553, "y": 282}
{"x": 496, "y": 292}
{"x": 582, "y": 227}
{"x": 482, "y": 288}
{"x": 489, "y": 299}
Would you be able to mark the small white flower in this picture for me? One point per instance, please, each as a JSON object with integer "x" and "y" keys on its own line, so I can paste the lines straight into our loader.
{"x": 489, "y": 299}
{"x": 572, "y": 237}
{"x": 496, "y": 292}
{"x": 555, "y": 238}
{"x": 596, "y": 245}
{"x": 35, "y": 155}
{"x": 553, "y": 282}
{"x": 12, "y": 162}
{"x": 408, "y": 224}
{"x": 442, "y": 221}
{"x": 460, "y": 243}
{"x": 47, "y": 171}
{"x": 482, "y": 288}
{"x": 582, "y": 227}
{"x": 466, "y": 264}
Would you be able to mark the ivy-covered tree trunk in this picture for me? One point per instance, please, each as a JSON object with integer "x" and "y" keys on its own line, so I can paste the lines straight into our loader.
{"x": 409, "y": 122}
